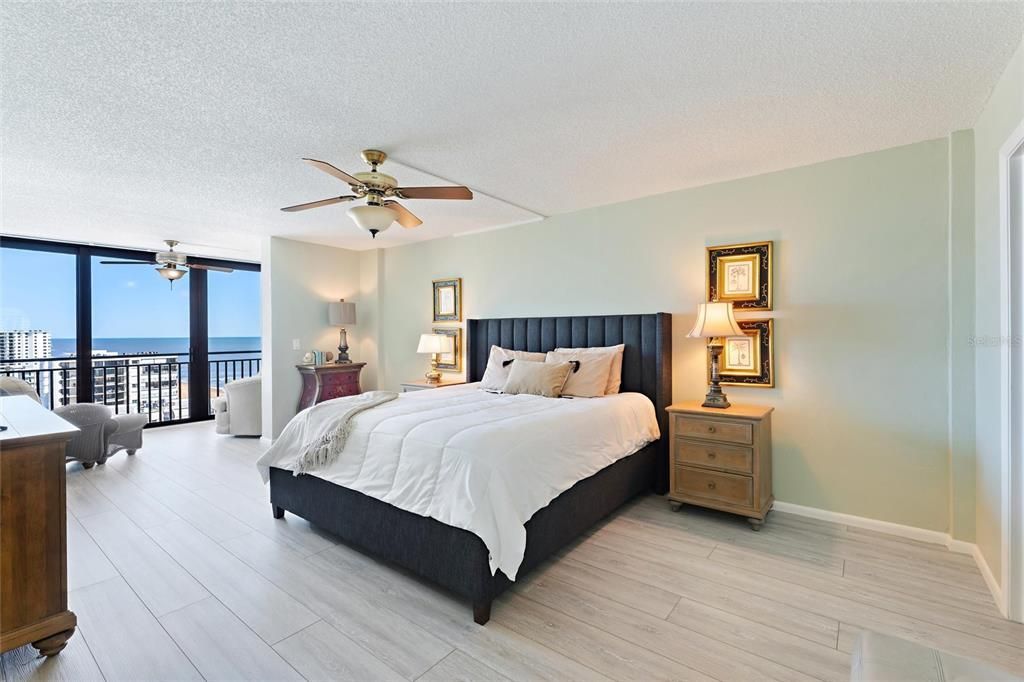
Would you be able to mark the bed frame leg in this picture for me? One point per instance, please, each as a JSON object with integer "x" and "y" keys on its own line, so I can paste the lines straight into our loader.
{"x": 278, "y": 512}
{"x": 481, "y": 612}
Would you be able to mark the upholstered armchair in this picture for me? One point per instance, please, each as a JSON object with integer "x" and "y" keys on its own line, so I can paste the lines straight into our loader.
{"x": 238, "y": 411}
{"x": 101, "y": 433}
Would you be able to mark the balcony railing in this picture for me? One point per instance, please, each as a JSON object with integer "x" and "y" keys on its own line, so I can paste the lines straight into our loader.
{"x": 154, "y": 384}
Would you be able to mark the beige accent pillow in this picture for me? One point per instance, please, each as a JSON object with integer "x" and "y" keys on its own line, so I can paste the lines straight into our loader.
{"x": 498, "y": 366}
{"x": 614, "y": 384}
{"x": 537, "y": 378}
{"x": 590, "y": 378}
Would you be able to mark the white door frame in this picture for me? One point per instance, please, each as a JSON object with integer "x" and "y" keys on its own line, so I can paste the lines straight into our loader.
{"x": 1011, "y": 284}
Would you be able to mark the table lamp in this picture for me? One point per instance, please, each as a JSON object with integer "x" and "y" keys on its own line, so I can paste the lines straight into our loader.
{"x": 434, "y": 344}
{"x": 339, "y": 314}
{"x": 715, "y": 321}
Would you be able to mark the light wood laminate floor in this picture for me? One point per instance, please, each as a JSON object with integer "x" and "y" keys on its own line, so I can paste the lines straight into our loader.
{"x": 178, "y": 571}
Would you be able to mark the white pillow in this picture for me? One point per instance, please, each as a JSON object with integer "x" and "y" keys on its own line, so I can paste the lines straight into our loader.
{"x": 590, "y": 376}
{"x": 499, "y": 365}
{"x": 615, "y": 374}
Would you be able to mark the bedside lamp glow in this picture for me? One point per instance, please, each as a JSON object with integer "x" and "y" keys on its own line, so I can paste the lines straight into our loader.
{"x": 435, "y": 344}
{"x": 715, "y": 322}
{"x": 339, "y": 314}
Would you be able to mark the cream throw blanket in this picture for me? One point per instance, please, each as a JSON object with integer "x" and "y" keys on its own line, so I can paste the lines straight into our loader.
{"x": 325, "y": 428}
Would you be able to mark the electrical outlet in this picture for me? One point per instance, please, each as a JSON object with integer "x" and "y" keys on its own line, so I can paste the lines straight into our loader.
{"x": 296, "y": 344}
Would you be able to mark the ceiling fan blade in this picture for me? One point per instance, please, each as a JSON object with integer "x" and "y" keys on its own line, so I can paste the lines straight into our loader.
{"x": 336, "y": 172}
{"x": 403, "y": 215}
{"x": 435, "y": 192}
{"x": 318, "y": 204}
{"x": 127, "y": 262}
{"x": 215, "y": 268}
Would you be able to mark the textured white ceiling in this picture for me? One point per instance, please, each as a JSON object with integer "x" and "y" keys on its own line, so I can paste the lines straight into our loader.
{"x": 127, "y": 123}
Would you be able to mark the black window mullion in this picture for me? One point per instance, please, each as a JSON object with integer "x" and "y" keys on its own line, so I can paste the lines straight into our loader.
{"x": 199, "y": 366}
{"x": 83, "y": 326}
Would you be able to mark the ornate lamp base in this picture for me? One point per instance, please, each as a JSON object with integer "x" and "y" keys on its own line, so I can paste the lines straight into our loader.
{"x": 343, "y": 357}
{"x": 433, "y": 376}
{"x": 715, "y": 397}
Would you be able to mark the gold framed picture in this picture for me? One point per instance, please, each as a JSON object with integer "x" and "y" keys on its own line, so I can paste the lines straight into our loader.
{"x": 741, "y": 274}
{"x": 748, "y": 360}
{"x": 448, "y": 300}
{"x": 450, "y": 362}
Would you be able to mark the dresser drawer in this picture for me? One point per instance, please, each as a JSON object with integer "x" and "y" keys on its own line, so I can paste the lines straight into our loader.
{"x": 712, "y": 485}
{"x": 714, "y": 429}
{"x": 714, "y": 456}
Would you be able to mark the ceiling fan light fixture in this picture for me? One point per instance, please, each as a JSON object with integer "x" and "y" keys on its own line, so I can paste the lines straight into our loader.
{"x": 170, "y": 272}
{"x": 371, "y": 218}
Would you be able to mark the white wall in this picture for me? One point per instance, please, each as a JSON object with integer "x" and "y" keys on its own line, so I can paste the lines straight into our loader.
{"x": 861, "y": 297}
{"x": 1002, "y": 114}
{"x": 298, "y": 280}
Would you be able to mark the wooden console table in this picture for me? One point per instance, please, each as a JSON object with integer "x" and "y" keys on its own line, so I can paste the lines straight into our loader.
{"x": 33, "y": 528}
{"x": 326, "y": 382}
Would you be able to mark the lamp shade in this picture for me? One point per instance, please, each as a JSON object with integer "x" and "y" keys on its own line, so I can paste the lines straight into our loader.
{"x": 713, "y": 320}
{"x": 341, "y": 313}
{"x": 170, "y": 272}
{"x": 373, "y": 219}
{"x": 435, "y": 343}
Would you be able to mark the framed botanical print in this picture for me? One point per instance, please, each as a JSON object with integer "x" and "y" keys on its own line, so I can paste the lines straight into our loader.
{"x": 741, "y": 274}
{"x": 448, "y": 300}
{"x": 450, "y": 362}
{"x": 748, "y": 360}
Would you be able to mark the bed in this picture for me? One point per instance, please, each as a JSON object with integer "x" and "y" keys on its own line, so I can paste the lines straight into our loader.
{"x": 458, "y": 559}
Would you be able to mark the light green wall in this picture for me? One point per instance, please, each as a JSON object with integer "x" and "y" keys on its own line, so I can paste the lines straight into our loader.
{"x": 961, "y": 328}
{"x": 861, "y": 298}
{"x": 298, "y": 280}
{"x": 1001, "y": 116}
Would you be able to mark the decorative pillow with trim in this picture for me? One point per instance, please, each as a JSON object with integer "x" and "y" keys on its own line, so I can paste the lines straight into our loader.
{"x": 499, "y": 363}
{"x": 537, "y": 378}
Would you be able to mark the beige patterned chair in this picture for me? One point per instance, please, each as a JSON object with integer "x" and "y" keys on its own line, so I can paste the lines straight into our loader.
{"x": 101, "y": 433}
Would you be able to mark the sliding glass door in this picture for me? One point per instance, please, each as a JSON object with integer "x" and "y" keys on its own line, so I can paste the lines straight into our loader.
{"x": 135, "y": 341}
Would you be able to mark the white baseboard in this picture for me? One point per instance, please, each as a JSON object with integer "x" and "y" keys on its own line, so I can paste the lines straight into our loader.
{"x": 990, "y": 580}
{"x": 911, "y": 533}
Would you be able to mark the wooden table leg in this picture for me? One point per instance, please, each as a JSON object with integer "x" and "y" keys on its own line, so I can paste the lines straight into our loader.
{"x": 54, "y": 644}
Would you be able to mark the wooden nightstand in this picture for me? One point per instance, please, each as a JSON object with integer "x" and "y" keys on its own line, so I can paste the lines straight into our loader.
{"x": 722, "y": 459}
{"x": 326, "y": 382}
{"x": 422, "y": 385}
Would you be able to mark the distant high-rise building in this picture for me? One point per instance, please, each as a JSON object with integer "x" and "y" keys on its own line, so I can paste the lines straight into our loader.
{"x": 25, "y": 344}
{"x": 23, "y": 350}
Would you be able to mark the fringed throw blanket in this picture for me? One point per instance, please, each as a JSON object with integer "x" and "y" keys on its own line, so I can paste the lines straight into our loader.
{"x": 326, "y": 429}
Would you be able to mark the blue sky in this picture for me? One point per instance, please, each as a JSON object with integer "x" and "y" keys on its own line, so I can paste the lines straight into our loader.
{"x": 37, "y": 292}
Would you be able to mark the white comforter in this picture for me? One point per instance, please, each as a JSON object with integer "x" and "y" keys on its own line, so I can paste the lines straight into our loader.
{"x": 476, "y": 460}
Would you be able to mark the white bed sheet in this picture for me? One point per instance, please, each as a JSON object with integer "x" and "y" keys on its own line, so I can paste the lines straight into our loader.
{"x": 477, "y": 460}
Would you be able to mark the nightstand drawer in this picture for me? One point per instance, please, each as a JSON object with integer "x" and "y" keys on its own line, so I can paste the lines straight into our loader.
{"x": 714, "y": 456}
{"x": 713, "y": 485}
{"x": 714, "y": 429}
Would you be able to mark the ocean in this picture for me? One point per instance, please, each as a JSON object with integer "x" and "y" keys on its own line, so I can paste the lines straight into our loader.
{"x": 162, "y": 346}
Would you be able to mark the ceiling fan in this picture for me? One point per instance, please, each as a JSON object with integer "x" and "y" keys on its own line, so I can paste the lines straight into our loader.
{"x": 377, "y": 188}
{"x": 169, "y": 262}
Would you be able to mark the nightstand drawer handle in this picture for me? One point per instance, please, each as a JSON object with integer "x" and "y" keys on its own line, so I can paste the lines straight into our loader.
{"x": 711, "y": 485}
{"x": 712, "y": 455}
{"x": 711, "y": 429}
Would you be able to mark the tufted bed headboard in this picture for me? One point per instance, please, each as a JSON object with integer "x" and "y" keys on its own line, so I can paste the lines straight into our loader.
{"x": 646, "y": 361}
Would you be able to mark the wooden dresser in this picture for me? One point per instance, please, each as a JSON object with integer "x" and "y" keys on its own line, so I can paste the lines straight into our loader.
{"x": 722, "y": 459}
{"x": 33, "y": 528}
{"x": 326, "y": 382}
